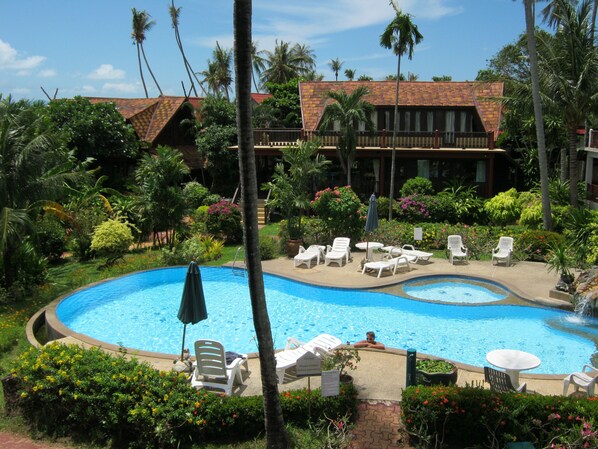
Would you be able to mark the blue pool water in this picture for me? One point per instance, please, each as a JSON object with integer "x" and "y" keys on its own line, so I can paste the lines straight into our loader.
{"x": 140, "y": 311}
{"x": 453, "y": 292}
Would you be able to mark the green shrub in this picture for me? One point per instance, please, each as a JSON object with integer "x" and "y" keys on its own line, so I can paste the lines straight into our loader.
{"x": 112, "y": 240}
{"x": 417, "y": 185}
{"x": 195, "y": 195}
{"x": 341, "y": 211}
{"x": 50, "y": 237}
{"x": 504, "y": 208}
{"x": 269, "y": 248}
{"x": 224, "y": 221}
{"x": 95, "y": 397}
{"x": 200, "y": 247}
{"x": 440, "y": 413}
{"x": 535, "y": 244}
{"x": 382, "y": 203}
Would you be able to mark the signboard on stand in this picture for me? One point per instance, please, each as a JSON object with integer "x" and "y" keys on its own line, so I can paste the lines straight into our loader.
{"x": 418, "y": 234}
{"x": 309, "y": 364}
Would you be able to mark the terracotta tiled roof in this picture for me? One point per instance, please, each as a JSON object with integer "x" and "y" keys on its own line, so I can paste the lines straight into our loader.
{"x": 412, "y": 93}
{"x": 258, "y": 98}
{"x": 148, "y": 116}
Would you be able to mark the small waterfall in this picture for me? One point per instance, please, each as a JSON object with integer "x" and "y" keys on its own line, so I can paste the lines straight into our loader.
{"x": 584, "y": 305}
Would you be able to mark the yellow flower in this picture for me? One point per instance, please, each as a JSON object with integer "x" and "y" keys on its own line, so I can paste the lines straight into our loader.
{"x": 23, "y": 394}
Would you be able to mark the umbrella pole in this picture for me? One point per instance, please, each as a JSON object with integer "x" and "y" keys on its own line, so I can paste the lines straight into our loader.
{"x": 183, "y": 347}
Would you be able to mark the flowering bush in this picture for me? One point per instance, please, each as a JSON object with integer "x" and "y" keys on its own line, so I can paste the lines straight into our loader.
{"x": 95, "y": 397}
{"x": 224, "y": 221}
{"x": 410, "y": 209}
{"x": 536, "y": 244}
{"x": 341, "y": 211}
{"x": 342, "y": 359}
{"x": 440, "y": 413}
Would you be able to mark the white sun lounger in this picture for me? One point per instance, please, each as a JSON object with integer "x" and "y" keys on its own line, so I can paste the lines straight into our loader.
{"x": 408, "y": 250}
{"x": 390, "y": 264}
{"x": 294, "y": 349}
{"x": 309, "y": 255}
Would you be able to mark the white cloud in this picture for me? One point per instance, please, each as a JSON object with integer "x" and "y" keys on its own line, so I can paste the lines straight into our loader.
{"x": 47, "y": 73}
{"x": 120, "y": 88}
{"x": 107, "y": 72}
{"x": 10, "y": 59}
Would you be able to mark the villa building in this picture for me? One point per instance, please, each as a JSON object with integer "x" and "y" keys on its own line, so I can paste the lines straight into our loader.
{"x": 446, "y": 132}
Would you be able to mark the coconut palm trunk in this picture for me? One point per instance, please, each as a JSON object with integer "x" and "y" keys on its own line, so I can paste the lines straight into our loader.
{"x": 393, "y": 153}
{"x": 150, "y": 69}
{"x": 141, "y": 70}
{"x": 542, "y": 157}
{"x": 276, "y": 436}
{"x": 174, "y": 15}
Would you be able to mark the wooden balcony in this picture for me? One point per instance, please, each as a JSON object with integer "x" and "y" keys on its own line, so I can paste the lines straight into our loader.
{"x": 278, "y": 138}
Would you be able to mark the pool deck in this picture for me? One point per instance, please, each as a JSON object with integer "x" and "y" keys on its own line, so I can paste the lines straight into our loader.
{"x": 381, "y": 375}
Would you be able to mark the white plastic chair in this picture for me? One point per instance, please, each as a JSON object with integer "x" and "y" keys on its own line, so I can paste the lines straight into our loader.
{"x": 503, "y": 251}
{"x": 339, "y": 252}
{"x": 583, "y": 379}
{"x": 294, "y": 349}
{"x": 456, "y": 248}
{"x": 307, "y": 256}
{"x": 211, "y": 369}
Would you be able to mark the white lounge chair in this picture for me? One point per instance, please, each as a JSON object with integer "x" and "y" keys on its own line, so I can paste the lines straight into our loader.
{"x": 390, "y": 264}
{"x": 586, "y": 379}
{"x": 294, "y": 349}
{"x": 339, "y": 251}
{"x": 309, "y": 255}
{"x": 211, "y": 369}
{"x": 408, "y": 250}
{"x": 503, "y": 251}
{"x": 456, "y": 248}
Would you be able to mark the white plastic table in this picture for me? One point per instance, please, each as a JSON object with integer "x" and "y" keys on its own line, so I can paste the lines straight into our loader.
{"x": 513, "y": 362}
{"x": 371, "y": 246}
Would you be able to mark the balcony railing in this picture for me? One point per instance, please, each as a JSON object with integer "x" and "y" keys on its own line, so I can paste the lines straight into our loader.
{"x": 380, "y": 139}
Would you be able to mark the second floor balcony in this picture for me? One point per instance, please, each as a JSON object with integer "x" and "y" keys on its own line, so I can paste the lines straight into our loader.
{"x": 278, "y": 138}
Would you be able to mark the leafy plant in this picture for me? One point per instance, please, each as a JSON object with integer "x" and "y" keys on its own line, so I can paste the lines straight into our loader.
{"x": 503, "y": 208}
{"x": 434, "y": 366}
{"x": 417, "y": 185}
{"x": 560, "y": 260}
{"x": 342, "y": 359}
{"x": 112, "y": 240}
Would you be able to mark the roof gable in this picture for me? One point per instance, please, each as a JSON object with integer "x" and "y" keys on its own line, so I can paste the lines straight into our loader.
{"x": 149, "y": 116}
{"x": 480, "y": 95}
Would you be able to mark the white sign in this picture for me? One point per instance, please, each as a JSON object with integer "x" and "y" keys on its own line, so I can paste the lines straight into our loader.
{"x": 331, "y": 382}
{"x": 309, "y": 364}
{"x": 418, "y": 234}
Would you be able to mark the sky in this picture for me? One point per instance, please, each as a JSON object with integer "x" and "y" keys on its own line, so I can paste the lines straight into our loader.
{"x": 84, "y": 47}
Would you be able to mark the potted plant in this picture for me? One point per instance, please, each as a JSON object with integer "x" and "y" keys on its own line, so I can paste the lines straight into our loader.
{"x": 560, "y": 260}
{"x": 435, "y": 372}
{"x": 290, "y": 189}
{"x": 342, "y": 359}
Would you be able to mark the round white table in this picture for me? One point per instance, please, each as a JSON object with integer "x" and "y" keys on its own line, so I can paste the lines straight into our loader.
{"x": 370, "y": 246}
{"x": 513, "y": 362}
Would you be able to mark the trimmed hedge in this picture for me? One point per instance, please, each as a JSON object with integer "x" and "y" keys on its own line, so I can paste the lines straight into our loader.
{"x": 437, "y": 415}
{"x": 93, "y": 396}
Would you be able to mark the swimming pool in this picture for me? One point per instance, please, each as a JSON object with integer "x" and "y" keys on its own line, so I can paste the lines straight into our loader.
{"x": 139, "y": 311}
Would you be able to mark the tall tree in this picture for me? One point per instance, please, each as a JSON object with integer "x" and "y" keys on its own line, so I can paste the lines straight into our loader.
{"x": 350, "y": 74}
{"x": 401, "y": 35}
{"x": 540, "y": 138}
{"x": 141, "y": 25}
{"x": 335, "y": 65}
{"x": 174, "y": 16}
{"x": 34, "y": 169}
{"x": 348, "y": 110}
{"x": 286, "y": 62}
{"x": 276, "y": 436}
{"x": 569, "y": 64}
{"x": 257, "y": 63}
{"x": 218, "y": 75}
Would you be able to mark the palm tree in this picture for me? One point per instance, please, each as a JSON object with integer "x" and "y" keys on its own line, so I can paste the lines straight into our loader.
{"x": 34, "y": 170}
{"x": 335, "y": 65}
{"x": 286, "y": 62}
{"x": 276, "y": 435}
{"x": 348, "y": 110}
{"x": 401, "y": 35}
{"x": 218, "y": 75}
{"x": 174, "y": 16}
{"x": 142, "y": 24}
{"x": 569, "y": 64}
{"x": 542, "y": 157}
{"x": 350, "y": 74}
{"x": 257, "y": 62}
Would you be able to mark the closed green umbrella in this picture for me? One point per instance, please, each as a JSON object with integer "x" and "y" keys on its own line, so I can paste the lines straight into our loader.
{"x": 193, "y": 303}
{"x": 371, "y": 222}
